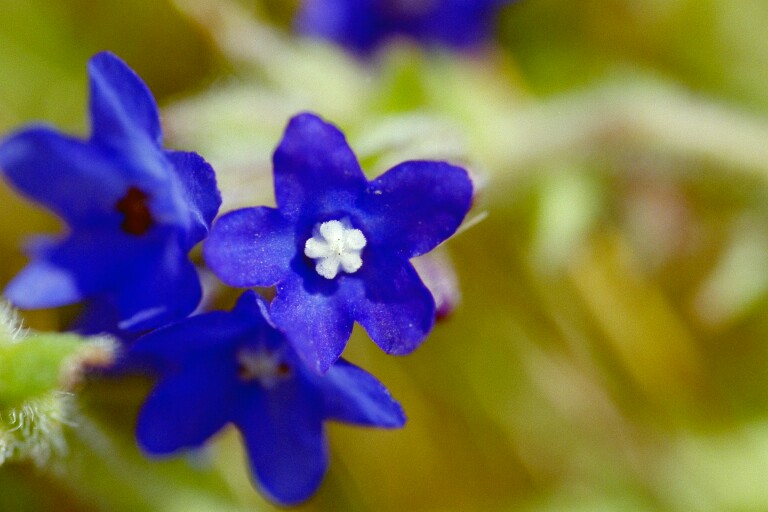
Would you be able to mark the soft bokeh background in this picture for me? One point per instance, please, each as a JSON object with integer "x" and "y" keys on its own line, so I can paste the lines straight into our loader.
{"x": 611, "y": 347}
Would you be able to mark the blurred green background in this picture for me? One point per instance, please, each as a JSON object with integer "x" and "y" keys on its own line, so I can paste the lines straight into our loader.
{"x": 611, "y": 346}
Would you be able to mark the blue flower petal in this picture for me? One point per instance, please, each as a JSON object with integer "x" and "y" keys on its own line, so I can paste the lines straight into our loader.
{"x": 318, "y": 324}
{"x": 195, "y": 338}
{"x": 123, "y": 110}
{"x": 253, "y": 307}
{"x": 153, "y": 282}
{"x": 201, "y": 194}
{"x": 250, "y": 247}
{"x": 185, "y": 409}
{"x": 43, "y": 285}
{"x": 391, "y": 303}
{"x": 361, "y": 25}
{"x": 77, "y": 180}
{"x": 82, "y": 265}
{"x": 416, "y": 205}
{"x": 352, "y": 395}
{"x": 166, "y": 287}
{"x": 349, "y": 24}
{"x": 253, "y": 310}
{"x": 284, "y": 436}
{"x": 459, "y": 24}
{"x": 99, "y": 315}
{"x": 315, "y": 170}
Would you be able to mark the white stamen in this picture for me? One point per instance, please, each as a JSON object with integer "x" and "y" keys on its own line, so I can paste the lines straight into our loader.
{"x": 335, "y": 245}
{"x": 266, "y": 367}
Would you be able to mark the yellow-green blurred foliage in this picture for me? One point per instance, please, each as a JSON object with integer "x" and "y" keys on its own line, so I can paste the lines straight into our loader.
{"x": 611, "y": 348}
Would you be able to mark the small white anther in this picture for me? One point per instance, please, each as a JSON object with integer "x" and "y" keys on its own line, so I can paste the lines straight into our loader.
{"x": 335, "y": 245}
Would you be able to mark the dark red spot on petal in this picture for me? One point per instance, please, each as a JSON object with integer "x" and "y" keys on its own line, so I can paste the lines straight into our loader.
{"x": 138, "y": 218}
{"x": 283, "y": 369}
{"x": 244, "y": 373}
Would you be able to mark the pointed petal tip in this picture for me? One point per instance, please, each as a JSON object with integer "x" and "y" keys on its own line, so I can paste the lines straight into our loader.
{"x": 121, "y": 105}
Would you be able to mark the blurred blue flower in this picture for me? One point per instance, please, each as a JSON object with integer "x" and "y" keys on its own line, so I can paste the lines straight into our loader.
{"x": 224, "y": 367}
{"x": 361, "y": 25}
{"x": 338, "y": 246}
{"x": 134, "y": 209}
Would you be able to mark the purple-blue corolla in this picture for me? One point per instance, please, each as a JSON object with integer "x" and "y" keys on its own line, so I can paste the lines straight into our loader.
{"x": 338, "y": 246}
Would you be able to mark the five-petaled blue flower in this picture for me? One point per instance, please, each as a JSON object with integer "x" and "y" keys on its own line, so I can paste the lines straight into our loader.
{"x": 235, "y": 367}
{"x": 338, "y": 246}
{"x": 361, "y": 25}
{"x": 134, "y": 209}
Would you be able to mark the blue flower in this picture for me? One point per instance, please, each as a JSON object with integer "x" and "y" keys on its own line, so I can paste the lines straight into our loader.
{"x": 361, "y": 25}
{"x": 338, "y": 246}
{"x": 134, "y": 209}
{"x": 224, "y": 367}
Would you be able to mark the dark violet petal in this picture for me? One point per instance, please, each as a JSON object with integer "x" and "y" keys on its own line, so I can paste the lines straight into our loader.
{"x": 202, "y": 195}
{"x": 165, "y": 288}
{"x": 315, "y": 170}
{"x": 317, "y": 323}
{"x": 284, "y": 437}
{"x": 352, "y": 395}
{"x": 122, "y": 108}
{"x": 185, "y": 409}
{"x": 416, "y": 205}
{"x": 391, "y": 303}
{"x": 250, "y": 247}
{"x": 76, "y": 180}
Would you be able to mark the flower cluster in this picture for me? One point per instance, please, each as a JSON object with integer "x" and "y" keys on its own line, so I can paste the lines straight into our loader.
{"x": 337, "y": 249}
{"x": 362, "y": 25}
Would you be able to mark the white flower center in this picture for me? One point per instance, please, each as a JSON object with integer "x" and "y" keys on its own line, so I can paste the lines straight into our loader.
{"x": 266, "y": 367}
{"x": 335, "y": 245}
